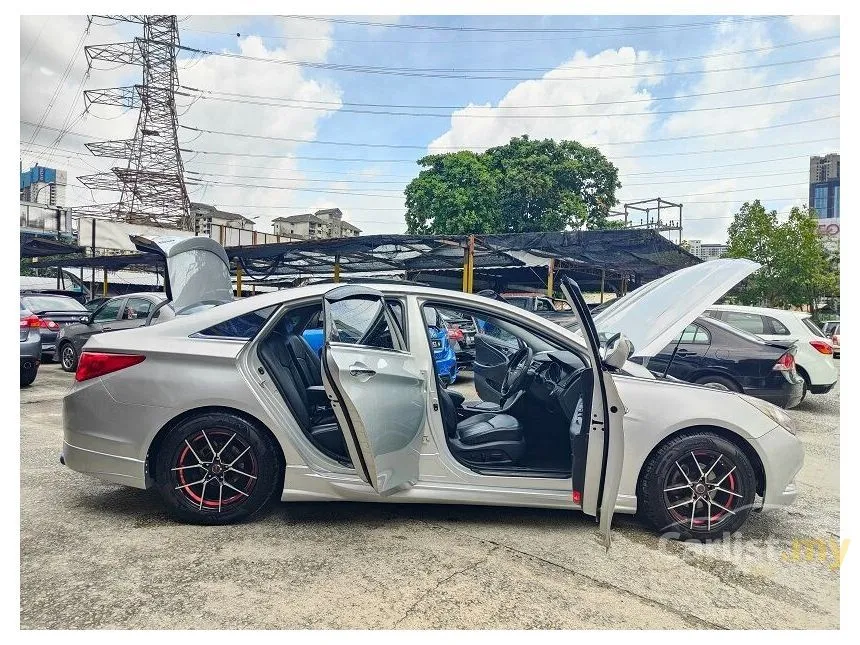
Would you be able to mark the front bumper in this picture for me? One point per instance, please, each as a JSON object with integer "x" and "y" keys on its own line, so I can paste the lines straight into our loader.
{"x": 781, "y": 454}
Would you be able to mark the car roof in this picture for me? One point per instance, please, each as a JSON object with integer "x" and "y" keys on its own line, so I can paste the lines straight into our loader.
{"x": 770, "y": 311}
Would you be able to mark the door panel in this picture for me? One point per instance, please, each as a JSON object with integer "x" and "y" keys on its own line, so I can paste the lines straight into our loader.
{"x": 492, "y": 357}
{"x": 600, "y": 473}
{"x": 378, "y": 394}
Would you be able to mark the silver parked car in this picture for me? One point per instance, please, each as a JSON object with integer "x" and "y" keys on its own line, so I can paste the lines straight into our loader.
{"x": 225, "y": 409}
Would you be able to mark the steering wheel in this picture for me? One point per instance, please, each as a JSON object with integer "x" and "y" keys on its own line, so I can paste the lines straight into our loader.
{"x": 516, "y": 376}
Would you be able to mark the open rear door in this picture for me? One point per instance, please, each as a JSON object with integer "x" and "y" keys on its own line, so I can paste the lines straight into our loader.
{"x": 378, "y": 393}
{"x": 597, "y": 429}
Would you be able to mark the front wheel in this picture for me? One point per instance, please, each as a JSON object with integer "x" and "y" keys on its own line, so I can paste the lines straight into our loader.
{"x": 216, "y": 468}
{"x": 68, "y": 357}
{"x": 698, "y": 486}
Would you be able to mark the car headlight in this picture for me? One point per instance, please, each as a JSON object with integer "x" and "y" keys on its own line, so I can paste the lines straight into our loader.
{"x": 773, "y": 412}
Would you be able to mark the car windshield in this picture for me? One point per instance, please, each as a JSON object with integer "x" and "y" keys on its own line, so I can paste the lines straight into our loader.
{"x": 51, "y": 303}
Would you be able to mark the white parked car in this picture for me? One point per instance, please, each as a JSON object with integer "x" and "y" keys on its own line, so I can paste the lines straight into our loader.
{"x": 814, "y": 349}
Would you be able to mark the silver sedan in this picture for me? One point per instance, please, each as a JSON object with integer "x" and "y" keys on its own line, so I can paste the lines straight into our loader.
{"x": 329, "y": 392}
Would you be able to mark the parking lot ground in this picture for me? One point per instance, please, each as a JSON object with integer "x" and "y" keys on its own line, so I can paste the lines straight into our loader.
{"x": 96, "y": 555}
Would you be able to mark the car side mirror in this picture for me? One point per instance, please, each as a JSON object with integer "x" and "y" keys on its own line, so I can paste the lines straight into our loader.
{"x": 618, "y": 350}
{"x": 85, "y": 319}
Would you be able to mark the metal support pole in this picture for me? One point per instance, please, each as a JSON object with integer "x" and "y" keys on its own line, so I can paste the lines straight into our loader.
{"x": 469, "y": 265}
{"x": 58, "y": 277}
{"x": 93, "y": 251}
{"x": 238, "y": 279}
{"x": 602, "y": 282}
{"x": 550, "y": 278}
{"x": 680, "y": 224}
{"x": 105, "y": 283}
{"x": 337, "y": 268}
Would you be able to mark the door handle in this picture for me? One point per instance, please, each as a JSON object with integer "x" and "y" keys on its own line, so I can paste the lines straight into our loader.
{"x": 360, "y": 369}
{"x": 685, "y": 352}
{"x": 107, "y": 328}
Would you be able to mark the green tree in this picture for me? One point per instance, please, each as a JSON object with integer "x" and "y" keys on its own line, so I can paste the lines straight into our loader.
{"x": 795, "y": 266}
{"x": 522, "y": 186}
{"x": 456, "y": 194}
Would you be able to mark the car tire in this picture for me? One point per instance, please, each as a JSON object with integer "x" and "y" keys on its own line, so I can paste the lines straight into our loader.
{"x": 68, "y": 357}
{"x": 28, "y": 375}
{"x": 718, "y": 382}
{"x": 802, "y": 374}
{"x": 664, "y": 487}
{"x": 247, "y": 474}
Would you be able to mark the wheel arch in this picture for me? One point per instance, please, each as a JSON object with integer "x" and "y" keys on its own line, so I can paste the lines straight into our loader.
{"x": 803, "y": 374}
{"x": 712, "y": 371}
{"x": 158, "y": 439}
{"x": 729, "y": 435}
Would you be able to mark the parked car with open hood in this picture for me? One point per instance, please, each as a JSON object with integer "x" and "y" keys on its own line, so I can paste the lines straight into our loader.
{"x": 814, "y": 350}
{"x": 219, "y": 424}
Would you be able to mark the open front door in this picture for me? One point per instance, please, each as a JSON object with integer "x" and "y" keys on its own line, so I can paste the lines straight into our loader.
{"x": 597, "y": 429}
{"x": 375, "y": 387}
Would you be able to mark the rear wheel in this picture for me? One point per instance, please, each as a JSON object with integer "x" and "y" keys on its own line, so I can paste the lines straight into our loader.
{"x": 698, "y": 486}
{"x": 28, "y": 373}
{"x": 718, "y": 382}
{"x": 216, "y": 468}
{"x": 68, "y": 357}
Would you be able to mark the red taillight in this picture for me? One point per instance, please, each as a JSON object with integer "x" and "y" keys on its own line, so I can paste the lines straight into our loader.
{"x": 822, "y": 346}
{"x": 455, "y": 333}
{"x": 92, "y": 364}
{"x": 49, "y": 324}
{"x": 31, "y": 321}
{"x": 785, "y": 363}
{"x": 577, "y": 497}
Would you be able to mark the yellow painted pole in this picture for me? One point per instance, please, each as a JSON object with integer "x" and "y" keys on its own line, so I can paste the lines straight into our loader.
{"x": 104, "y": 283}
{"x": 469, "y": 266}
{"x": 238, "y": 279}
{"x": 337, "y": 268}
{"x": 550, "y": 278}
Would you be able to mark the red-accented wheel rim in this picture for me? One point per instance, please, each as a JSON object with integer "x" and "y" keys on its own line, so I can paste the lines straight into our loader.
{"x": 215, "y": 470}
{"x": 702, "y": 490}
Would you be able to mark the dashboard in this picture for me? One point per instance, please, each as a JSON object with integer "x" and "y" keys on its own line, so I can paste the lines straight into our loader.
{"x": 552, "y": 373}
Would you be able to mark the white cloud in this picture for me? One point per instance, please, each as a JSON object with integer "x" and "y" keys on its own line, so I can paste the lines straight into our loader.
{"x": 815, "y": 24}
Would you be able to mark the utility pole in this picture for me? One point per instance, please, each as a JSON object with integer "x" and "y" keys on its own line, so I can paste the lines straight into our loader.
{"x": 152, "y": 183}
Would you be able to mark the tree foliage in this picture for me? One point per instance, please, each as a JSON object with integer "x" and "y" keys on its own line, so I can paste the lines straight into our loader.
{"x": 522, "y": 186}
{"x": 796, "y": 269}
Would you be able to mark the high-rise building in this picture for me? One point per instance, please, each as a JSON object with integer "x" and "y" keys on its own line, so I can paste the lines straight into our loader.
{"x": 323, "y": 224}
{"x": 40, "y": 185}
{"x": 824, "y": 185}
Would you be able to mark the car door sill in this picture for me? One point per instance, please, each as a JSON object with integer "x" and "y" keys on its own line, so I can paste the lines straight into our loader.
{"x": 514, "y": 471}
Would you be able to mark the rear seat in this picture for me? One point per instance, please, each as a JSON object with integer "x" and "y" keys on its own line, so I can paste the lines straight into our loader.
{"x": 292, "y": 376}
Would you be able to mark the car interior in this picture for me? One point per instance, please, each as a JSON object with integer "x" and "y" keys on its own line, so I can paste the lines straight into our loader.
{"x": 528, "y": 392}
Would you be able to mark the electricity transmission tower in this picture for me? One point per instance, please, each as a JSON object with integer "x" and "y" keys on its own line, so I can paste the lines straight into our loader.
{"x": 151, "y": 185}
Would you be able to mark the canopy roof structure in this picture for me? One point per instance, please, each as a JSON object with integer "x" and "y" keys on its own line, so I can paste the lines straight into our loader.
{"x": 634, "y": 255}
{"x": 39, "y": 247}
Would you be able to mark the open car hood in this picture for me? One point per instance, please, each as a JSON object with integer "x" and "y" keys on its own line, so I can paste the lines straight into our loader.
{"x": 656, "y": 313}
{"x": 198, "y": 270}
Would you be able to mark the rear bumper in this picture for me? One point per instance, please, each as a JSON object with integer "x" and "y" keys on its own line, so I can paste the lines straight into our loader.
{"x": 821, "y": 389}
{"x": 111, "y": 468}
{"x": 787, "y": 393}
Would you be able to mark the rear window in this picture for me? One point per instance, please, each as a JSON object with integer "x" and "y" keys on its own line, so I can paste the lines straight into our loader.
{"x": 813, "y": 327}
{"x": 245, "y": 326}
{"x": 51, "y": 303}
{"x": 752, "y": 323}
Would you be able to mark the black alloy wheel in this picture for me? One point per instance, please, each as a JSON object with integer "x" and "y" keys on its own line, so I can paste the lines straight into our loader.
{"x": 698, "y": 486}
{"x": 217, "y": 468}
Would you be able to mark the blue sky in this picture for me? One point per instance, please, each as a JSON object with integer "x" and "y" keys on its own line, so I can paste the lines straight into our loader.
{"x": 620, "y": 74}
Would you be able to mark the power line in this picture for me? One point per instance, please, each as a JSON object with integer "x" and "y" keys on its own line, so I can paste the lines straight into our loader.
{"x": 464, "y": 74}
{"x": 508, "y": 30}
{"x": 341, "y": 104}
{"x": 247, "y": 135}
{"x": 596, "y": 115}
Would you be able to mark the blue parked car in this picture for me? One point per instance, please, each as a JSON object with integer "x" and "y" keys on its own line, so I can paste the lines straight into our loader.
{"x": 443, "y": 353}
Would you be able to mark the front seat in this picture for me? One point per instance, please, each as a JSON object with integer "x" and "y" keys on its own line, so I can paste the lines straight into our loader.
{"x": 486, "y": 439}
